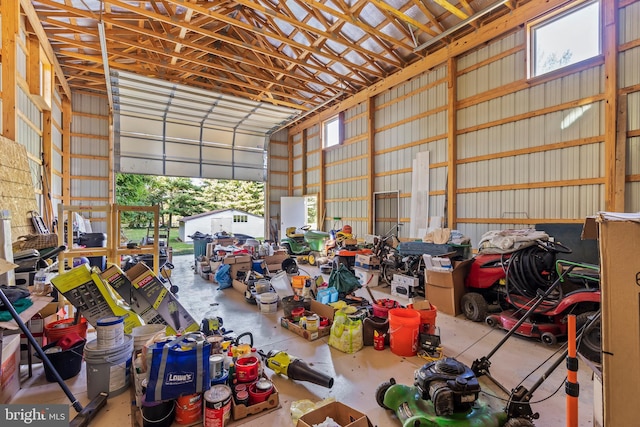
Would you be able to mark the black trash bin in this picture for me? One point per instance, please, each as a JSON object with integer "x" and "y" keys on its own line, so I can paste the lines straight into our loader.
{"x": 94, "y": 240}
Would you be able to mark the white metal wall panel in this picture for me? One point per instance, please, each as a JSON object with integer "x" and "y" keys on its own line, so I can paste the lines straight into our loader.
{"x": 633, "y": 112}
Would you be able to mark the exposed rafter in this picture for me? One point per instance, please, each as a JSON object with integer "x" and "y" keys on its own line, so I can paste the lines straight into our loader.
{"x": 294, "y": 53}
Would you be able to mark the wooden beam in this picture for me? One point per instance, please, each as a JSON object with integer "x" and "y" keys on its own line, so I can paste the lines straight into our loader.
{"x": 66, "y": 149}
{"x": 452, "y": 145}
{"x": 531, "y": 185}
{"x": 451, "y": 8}
{"x": 371, "y": 169}
{"x": 614, "y": 170}
{"x": 10, "y": 12}
{"x": 403, "y": 17}
{"x": 502, "y": 25}
{"x": 32, "y": 17}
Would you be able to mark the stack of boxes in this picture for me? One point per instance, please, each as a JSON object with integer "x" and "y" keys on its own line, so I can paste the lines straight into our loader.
{"x": 367, "y": 270}
{"x": 404, "y": 286}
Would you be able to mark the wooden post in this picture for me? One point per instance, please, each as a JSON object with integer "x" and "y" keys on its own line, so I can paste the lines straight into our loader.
{"x": 371, "y": 170}
{"x": 452, "y": 146}
{"x": 10, "y": 12}
{"x": 66, "y": 151}
{"x": 614, "y": 162}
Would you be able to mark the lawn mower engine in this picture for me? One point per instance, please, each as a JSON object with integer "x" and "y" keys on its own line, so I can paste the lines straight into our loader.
{"x": 449, "y": 384}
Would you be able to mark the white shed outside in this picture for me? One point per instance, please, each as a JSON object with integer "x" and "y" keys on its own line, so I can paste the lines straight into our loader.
{"x": 230, "y": 220}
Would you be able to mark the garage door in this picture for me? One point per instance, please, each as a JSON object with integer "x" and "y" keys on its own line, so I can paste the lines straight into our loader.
{"x": 162, "y": 128}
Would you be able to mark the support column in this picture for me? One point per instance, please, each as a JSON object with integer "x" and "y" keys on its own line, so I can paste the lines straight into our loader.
{"x": 66, "y": 151}
{"x": 452, "y": 145}
{"x": 10, "y": 12}
{"x": 614, "y": 147}
{"x": 371, "y": 170}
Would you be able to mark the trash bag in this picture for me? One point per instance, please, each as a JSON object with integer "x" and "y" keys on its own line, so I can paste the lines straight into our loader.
{"x": 344, "y": 280}
{"x": 223, "y": 276}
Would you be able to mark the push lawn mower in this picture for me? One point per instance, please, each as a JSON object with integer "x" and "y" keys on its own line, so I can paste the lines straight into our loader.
{"x": 509, "y": 284}
{"x": 447, "y": 392}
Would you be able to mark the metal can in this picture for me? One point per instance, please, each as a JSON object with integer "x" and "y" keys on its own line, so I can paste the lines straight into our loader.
{"x": 216, "y": 364}
{"x": 217, "y": 409}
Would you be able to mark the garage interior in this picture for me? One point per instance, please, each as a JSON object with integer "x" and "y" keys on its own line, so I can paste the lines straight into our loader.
{"x": 401, "y": 116}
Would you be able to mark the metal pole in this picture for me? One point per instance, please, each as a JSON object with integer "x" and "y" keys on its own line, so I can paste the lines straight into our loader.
{"x": 74, "y": 402}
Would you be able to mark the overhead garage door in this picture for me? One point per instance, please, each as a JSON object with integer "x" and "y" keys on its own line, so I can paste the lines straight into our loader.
{"x": 162, "y": 128}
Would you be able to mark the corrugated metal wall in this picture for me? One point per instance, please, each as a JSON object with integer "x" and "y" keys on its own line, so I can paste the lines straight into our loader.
{"x": 528, "y": 151}
{"x": 90, "y": 170}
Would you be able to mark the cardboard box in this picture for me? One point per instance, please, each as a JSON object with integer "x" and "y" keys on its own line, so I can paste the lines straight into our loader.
{"x": 240, "y": 267}
{"x": 36, "y": 327}
{"x": 399, "y": 289}
{"x": 164, "y": 302}
{"x": 134, "y": 296}
{"x": 366, "y": 277}
{"x": 10, "y": 368}
{"x": 401, "y": 279}
{"x": 276, "y": 258}
{"x": 342, "y": 414}
{"x": 229, "y": 259}
{"x": 321, "y": 310}
{"x": 369, "y": 262}
{"x": 444, "y": 289}
{"x": 242, "y": 411}
{"x": 88, "y": 293}
{"x": 239, "y": 286}
{"x": 619, "y": 242}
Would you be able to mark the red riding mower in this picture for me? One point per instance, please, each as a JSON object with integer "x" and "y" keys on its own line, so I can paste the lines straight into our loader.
{"x": 502, "y": 287}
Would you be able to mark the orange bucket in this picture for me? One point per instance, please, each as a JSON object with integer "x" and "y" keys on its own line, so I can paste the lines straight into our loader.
{"x": 404, "y": 327}
{"x": 60, "y": 328}
{"x": 189, "y": 409}
{"x": 428, "y": 320}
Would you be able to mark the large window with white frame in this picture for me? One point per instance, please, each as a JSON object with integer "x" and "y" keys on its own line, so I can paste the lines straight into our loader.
{"x": 565, "y": 38}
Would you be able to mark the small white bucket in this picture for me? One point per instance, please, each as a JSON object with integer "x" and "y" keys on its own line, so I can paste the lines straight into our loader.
{"x": 268, "y": 302}
{"x": 110, "y": 332}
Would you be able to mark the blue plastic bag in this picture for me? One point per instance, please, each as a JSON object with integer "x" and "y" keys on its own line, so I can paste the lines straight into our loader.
{"x": 223, "y": 276}
{"x": 179, "y": 367}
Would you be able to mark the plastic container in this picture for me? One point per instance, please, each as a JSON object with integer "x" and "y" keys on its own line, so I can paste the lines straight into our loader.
{"x": 189, "y": 409}
{"x": 428, "y": 320}
{"x": 291, "y": 302}
{"x": 110, "y": 332}
{"x": 374, "y": 323}
{"x": 262, "y": 286}
{"x": 108, "y": 370}
{"x": 281, "y": 284}
{"x": 404, "y": 328}
{"x": 328, "y": 295}
{"x": 158, "y": 414}
{"x": 68, "y": 362}
{"x": 58, "y": 329}
{"x": 260, "y": 391}
{"x": 267, "y": 302}
{"x": 247, "y": 369}
{"x": 94, "y": 240}
{"x": 142, "y": 334}
{"x": 382, "y": 306}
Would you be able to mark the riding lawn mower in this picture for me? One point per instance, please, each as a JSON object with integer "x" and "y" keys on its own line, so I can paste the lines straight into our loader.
{"x": 446, "y": 392}
{"x": 500, "y": 287}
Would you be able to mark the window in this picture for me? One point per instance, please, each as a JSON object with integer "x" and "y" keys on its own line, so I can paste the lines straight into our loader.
{"x": 564, "y": 39}
{"x": 332, "y": 131}
{"x": 240, "y": 218}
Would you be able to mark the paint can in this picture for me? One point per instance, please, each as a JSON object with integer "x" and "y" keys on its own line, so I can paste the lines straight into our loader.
{"x": 217, "y": 406}
{"x": 216, "y": 364}
{"x": 110, "y": 332}
{"x": 189, "y": 409}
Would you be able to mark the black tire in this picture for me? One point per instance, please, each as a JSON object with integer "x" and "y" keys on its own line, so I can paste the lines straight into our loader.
{"x": 548, "y": 338}
{"x": 387, "y": 274}
{"x": 174, "y": 289}
{"x": 519, "y": 422}
{"x": 381, "y": 391}
{"x": 492, "y": 321}
{"x": 288, "y": 248}
{"x": 474, "y": 306}
{"x": 590, "y": 345}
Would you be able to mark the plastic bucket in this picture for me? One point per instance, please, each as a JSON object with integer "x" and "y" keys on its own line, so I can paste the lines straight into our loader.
{"x": 189, "y": 409}
{"x": 68, "y": 363}
{"x": 108, "y": 370}
{"x": 110, "y": 332}
{"x": 158, "y": 414}
{"x": 268, "y": 302}
{"x": 58, "y": 329}
{"x": 142, "y": 334}
{"x": 428, "y": 320}
{"x": 382, "y": 306}
{"x": 291, "y": 302}
{"x": 404, "y": 327}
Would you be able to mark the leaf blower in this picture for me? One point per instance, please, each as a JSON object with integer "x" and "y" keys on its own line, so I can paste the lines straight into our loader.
{"x": 294, "y": 368}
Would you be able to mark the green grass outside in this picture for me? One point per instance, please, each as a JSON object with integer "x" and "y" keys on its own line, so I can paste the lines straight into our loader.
{"x": 179, "y": 248}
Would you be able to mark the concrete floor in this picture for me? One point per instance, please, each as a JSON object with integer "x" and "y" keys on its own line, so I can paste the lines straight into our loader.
{"x": 356, "y": 375}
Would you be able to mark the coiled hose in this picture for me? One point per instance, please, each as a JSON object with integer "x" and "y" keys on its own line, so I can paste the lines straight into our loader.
{"x": 531, "y": 269}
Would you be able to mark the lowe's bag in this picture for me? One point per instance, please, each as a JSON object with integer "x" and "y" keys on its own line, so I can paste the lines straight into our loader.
{"x": 178, "y": 367}
{"x": 346, "y": 334}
